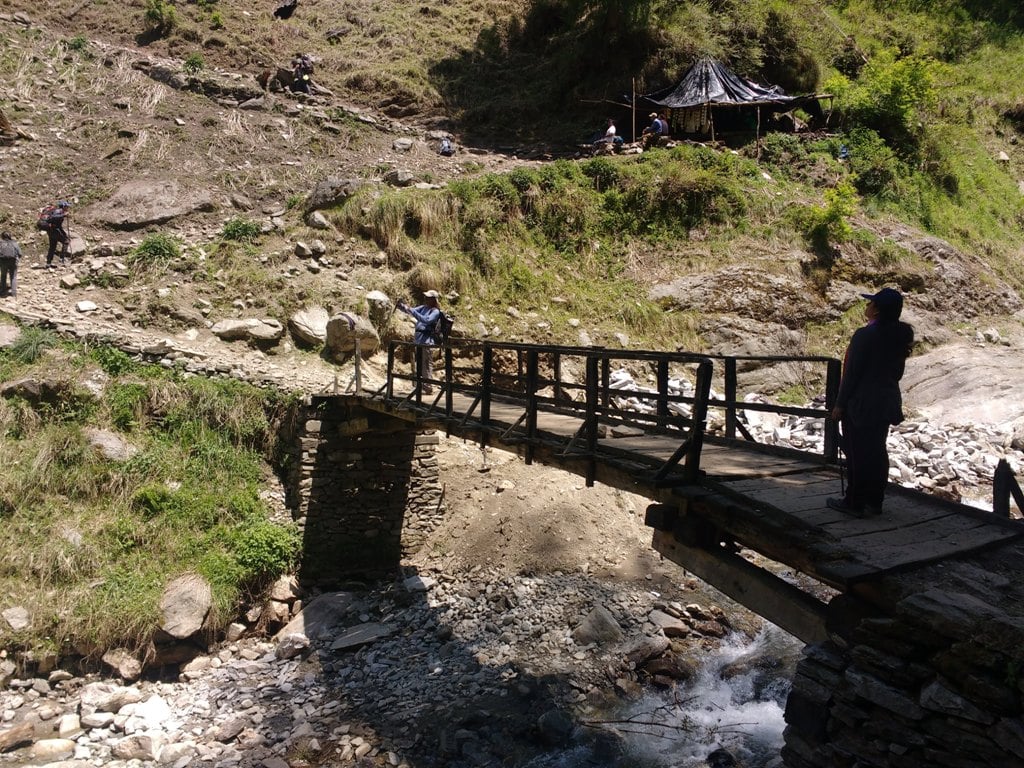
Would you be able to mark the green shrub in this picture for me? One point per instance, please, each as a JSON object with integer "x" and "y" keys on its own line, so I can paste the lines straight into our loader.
{"x": 78, "y": 43}
{"x": 602, "y": 171}
{"x": 113, "y": 361}
{"x": 216, "y": 20}
{"x": 264, "y": 550}
{"x": 826, "y": 226}
{"x": 193, "y": 64}
{"x": 241, "y": 230}
{"x": 156, "y": 249}
{"x": 159, "y": 16}
{"x": 874, "y": 164}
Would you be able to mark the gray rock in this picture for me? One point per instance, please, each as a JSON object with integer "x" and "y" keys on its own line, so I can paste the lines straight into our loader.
{"x": 317, "y": 220}
{"x": 344, "y": 330}
{"x": 143, "y": 202}
{"x": 308, "y": 326}
{"x": 185, "y": 605}
{"x": 123, "y": 663}
{"x": 332, "y": 192}
{"x": 17, "y": 618}
{"x": 111, "y": 445}
{"x": 361, "y": 635}
{"x": 598, "y": 627}
{"x": 321, "y": 616}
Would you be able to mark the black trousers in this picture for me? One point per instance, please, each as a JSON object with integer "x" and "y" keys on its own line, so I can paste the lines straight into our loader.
{"x": 867, "y": 462}
{"x": 57, "y": 236}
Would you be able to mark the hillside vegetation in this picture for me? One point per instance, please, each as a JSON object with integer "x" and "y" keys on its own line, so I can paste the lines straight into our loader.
{"x": 927, "y": 104}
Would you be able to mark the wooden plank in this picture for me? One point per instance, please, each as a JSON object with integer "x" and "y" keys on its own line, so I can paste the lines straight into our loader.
{"x": 780, "y": 602}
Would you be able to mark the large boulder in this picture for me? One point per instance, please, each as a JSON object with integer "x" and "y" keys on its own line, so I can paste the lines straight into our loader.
{"x": 345, "y": 330}
{"x": 185, "y": 606}
{"x": 142, "y": 202}
{"x": 308, "y": 326}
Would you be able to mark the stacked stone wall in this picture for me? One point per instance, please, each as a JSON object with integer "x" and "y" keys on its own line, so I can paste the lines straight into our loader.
{"x": 365, "y": 491}
{"x": 931, "y": 679}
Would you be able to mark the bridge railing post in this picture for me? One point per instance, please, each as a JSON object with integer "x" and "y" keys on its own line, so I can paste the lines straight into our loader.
{"x": 391, "y": 370}
{"x": 731, "y": 416}
{"x": 486, "y": 385}
{"x": 832, "y": 378}
{"x": 663, "y": 390}
{"x": 532, "y": 385}
{"x": 449, "y": 378}
{"x": 701, "y": 396}
{"x": 590, "y": 420}
{"x": 606, "y": 378}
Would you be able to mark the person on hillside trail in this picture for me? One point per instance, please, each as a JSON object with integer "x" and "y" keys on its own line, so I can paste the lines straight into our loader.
{"x": 302, "y": 72}
{"x": 10, "y": 255}
{"x": 869, "y": 401}
{"x": 427, "y": 316}
{"x": 51, "y": 220}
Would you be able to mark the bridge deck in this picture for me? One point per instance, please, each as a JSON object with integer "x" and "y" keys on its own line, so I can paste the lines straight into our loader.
{"x": 769, "y": 500}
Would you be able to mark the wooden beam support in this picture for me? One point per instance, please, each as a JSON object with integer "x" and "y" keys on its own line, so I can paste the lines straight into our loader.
{"x": 778, "y": 601}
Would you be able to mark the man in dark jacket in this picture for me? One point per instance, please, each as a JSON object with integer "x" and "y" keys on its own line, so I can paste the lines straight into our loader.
{"x": 53, "y": 222}
{"x": 869, "y": 400}
{"x": 427, "y": 316}
{"x": 10, "y": 255}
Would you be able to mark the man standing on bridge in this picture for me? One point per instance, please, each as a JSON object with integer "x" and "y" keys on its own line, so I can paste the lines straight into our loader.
{"x": 869, "y": 400}
{"x": 427, "y": 316}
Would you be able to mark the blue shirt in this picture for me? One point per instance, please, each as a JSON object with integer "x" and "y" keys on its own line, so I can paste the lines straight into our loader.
{"x": 426, "y": 322}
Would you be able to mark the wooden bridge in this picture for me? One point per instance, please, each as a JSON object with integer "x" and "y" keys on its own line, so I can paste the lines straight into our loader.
{"x": 716, "y": 492}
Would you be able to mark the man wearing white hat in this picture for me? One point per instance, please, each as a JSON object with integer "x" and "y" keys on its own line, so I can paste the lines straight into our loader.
{"x": 427, "y": 316}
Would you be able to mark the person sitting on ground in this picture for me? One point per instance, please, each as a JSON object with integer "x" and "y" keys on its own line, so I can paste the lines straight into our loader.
{"x": 10, "y": 255}
{"x": 869, "y": 401}
{"x": 608, "y": 136}
{"x": 427, "y": 316}
{"x": 52, "y": 221}
{"x": 658, "y": 127}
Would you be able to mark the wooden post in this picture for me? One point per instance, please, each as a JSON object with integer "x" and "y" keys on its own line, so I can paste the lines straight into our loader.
{"x": 532, "y": 382}
{"x": 634, "y": 110}
{"x": 731, "y": 416}
{"x": 758, "y": 135}
{"x": 591, "y": 422}
{"x": 832, "y": 379}
{"x": 662, "y": 393}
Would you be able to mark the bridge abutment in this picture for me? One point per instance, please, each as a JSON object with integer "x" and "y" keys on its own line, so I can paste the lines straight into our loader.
{"x": 366, "y": 491}
{"x": 927, "y": 673}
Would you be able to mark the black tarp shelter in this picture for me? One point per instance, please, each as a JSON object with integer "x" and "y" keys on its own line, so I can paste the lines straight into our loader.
{"x": 708, "y": 85}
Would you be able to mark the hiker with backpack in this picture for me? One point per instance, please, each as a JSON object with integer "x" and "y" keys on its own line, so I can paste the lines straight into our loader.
{"x": 51, "y": 220}
{"x": 428, "y": 316}
{"x": 10, "y": 255}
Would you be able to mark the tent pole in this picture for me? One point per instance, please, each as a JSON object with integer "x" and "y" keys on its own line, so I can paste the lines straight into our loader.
{"x": 711, "y": 120}
{"x": 634, "y": 110}
{"x": 758, "y": 131}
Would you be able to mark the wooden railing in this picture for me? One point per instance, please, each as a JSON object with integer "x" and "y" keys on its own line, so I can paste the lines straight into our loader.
{"x": 728, "y": 371}
{"x": 573, "y": 381}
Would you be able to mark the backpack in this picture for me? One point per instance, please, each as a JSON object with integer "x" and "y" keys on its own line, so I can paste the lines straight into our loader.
{"x": 45, "y": 219}
{"x": 447, "y": 148}
{"x": 443, "y": 327}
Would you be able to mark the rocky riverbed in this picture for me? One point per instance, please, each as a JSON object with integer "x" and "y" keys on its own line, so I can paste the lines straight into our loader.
{"x": 472, "y": 669}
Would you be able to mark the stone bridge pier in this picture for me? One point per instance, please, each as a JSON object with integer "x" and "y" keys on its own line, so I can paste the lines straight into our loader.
{"x": 922, "y": 670}
{"x": 364, "y": 491}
